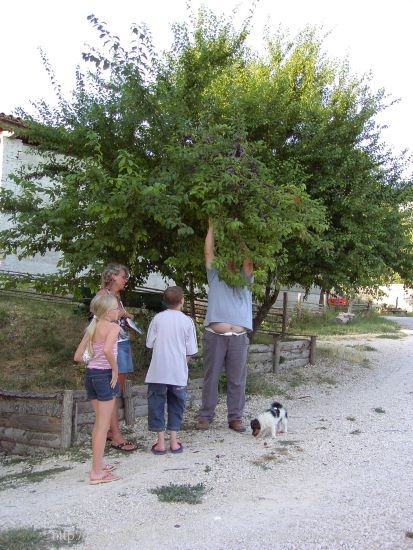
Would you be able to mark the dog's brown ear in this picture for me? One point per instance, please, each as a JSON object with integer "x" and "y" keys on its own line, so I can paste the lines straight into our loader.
{"x": 255, "y": 427}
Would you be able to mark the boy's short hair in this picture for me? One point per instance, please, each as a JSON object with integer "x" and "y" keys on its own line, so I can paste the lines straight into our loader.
{"x": 173, "y": 296}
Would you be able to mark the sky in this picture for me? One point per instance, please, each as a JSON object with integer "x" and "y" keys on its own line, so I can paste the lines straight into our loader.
{"x": 375, "y": 36}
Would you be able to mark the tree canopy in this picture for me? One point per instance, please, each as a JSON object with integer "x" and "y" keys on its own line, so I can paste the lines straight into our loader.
{"x": 281, "y": 149}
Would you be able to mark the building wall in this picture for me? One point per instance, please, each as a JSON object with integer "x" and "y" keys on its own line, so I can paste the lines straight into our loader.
{"x": 13, "y": 155}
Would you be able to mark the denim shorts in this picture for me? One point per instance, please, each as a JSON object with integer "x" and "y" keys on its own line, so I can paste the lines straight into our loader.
{"x": 124, "y": 360}
{"x": 97, "y": 383}
{"x": 174, "y": 397}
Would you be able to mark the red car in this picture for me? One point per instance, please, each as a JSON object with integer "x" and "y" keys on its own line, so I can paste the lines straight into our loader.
{"x": 337, "y": 301}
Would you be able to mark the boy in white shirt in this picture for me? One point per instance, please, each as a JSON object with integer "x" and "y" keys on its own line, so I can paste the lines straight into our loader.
{"x": 172, "y": 338}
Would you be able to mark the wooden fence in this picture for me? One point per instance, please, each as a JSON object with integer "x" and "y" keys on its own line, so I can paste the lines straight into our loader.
{"x": 42, "y": 421}
{"x": 277, "y": 319}
{"x": 287, "y": 351}
{"x": 33, "y": 422}
{"x": 38, "y": 420}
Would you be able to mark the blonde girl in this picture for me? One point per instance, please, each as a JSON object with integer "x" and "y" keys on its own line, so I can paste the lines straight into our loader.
{"x": 101, "y": 378}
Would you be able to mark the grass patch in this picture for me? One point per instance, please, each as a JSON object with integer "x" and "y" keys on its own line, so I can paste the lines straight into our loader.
{"x": 190, "y": 494}
{"x": 362, "y": 347}
{"x": 355, "y": 354}
{"x": 325, "y": 380}
{"x": 29, "y": 460}
{"x": 290, "y": 443}
{"x": 351, "y": 418}
{"x": 29, "y": 538}
{"x": 76, "y": 453}
{"x": 409, "y": 534}
{"x": 4, "y": 317}
{"x": 265, "y": 460}
{"x": 324, "y": 324}
{"x": 265, "y": 386}
{"x": 296, "y": 379}
{"x": 356, "y": 432}
{"x": 12, "y": 481}
{"x": 283, "y": 450}
{"x": 379, "y": 410}
{"x": 38, "y": 339}
{"x": 390, "y": 336}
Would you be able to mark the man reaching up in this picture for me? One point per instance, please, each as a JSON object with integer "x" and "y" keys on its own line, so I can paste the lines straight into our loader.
{"x": 225, "y": 342}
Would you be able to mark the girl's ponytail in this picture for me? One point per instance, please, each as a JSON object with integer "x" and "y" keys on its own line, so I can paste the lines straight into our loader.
{"x": 89, "y": 333}
{"x": 99, "y": 306}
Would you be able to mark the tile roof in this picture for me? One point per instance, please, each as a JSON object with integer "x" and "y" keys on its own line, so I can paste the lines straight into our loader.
{"x": 8, "y": 122}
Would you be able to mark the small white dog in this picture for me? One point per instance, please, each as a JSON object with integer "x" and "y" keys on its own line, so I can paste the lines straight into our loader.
{"x": 273, "y": 420}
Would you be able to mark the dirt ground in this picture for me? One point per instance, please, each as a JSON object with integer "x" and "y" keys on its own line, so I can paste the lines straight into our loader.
{"x": 341, "y": 477}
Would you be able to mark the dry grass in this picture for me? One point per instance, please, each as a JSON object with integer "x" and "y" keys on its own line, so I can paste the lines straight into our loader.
{"x": 38, "y": 340}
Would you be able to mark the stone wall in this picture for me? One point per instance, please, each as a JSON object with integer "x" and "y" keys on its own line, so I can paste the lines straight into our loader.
{"x": 41, "y": 421}
{"x": 13, "y": 155}
{"x": 37, "y": 421}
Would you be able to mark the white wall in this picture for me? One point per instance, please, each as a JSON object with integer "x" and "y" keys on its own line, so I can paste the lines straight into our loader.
{"x": 13, "y": 155}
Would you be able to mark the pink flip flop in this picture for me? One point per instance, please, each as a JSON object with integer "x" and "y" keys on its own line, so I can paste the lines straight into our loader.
{"x": 107, "y": 478}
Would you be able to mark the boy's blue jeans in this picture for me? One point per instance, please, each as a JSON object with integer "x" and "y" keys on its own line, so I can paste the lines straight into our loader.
{"x": 174, "y": 397}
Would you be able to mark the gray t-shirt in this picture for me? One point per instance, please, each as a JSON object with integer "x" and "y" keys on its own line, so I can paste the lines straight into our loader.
{"x": 227, "y": 304}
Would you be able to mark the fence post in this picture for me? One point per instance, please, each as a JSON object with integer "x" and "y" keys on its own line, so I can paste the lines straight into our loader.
{"x": 128, "y": 404}
{"x": 285, "y": 313}
{"x": 74, "y": 422}
{"x": 298, "y": 305}
{"x": 276, "y": 353}
{"x": 312, "y": 349}
{"x": 67, "y": 411}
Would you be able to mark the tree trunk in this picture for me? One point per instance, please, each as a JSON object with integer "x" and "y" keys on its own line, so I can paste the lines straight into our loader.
{"x": 264, "y": 307}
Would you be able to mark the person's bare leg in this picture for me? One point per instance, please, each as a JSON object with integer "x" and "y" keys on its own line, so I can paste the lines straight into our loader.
{"x": 121, "y": 380}
{"x": 103, "y": 412}
{"x": 160, "y": 442}
{"x": 114, "y": 433}
{"x": 174, "y": 444}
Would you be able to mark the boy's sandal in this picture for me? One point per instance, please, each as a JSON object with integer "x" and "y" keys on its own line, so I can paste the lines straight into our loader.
{"x": 123, "y": 446}
{"x": 107, "y": 478}
{"x": 157, "y": 451}
{"x": 180, "y": 449}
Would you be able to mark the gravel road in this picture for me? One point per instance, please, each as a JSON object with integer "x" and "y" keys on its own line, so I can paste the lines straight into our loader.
{"x": 340, "y": 479}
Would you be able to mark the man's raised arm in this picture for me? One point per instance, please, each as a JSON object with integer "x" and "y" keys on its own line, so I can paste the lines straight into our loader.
{"x": 209, "y": 246}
